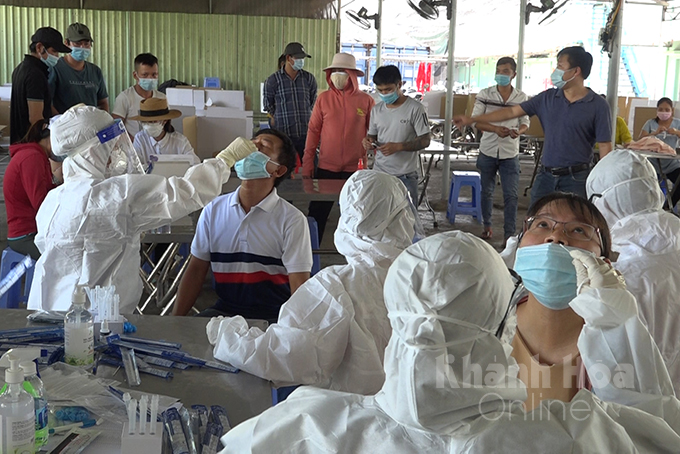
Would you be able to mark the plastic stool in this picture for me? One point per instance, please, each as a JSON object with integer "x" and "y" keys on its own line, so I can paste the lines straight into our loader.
{"x": 314, "y": 235}
{"x": 455, "y": 206}
{"x": 19, "y": 291}
{"x": 280, "y": 394}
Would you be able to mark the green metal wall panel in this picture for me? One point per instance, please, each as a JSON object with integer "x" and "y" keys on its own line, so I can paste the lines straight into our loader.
{"x": 241, "y": 50}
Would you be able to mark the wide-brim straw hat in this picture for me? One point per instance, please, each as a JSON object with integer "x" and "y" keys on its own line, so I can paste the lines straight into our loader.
{"x": 344, "y": 61}
{"x": 155, "y": 109}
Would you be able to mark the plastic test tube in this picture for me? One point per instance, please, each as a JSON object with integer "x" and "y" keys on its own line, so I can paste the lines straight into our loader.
{"x": 142, "y": 413}
{"x": 154, "y": 413}
{"x": 132, "y": 415}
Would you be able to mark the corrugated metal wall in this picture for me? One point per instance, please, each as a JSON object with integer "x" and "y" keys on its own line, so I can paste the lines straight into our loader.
{"x": 241, "y": 50}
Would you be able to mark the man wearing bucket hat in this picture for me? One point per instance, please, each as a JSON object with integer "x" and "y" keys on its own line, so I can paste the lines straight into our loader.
{"x": 289, "y": 96}
{"x": 157, "y": 135}
{"x": 74, "y": 80}
{"x": 31, "y": 100}
{"x": 146, "y": 84}
{"x": 339, "y": 122}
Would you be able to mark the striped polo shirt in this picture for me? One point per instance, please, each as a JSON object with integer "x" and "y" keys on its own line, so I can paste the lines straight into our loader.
{"x": 251, "y": 254}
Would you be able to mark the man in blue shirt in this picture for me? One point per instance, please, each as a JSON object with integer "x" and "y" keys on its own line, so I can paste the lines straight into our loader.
{"x": 289, "y": 96}
{"x": 573, "y": 117}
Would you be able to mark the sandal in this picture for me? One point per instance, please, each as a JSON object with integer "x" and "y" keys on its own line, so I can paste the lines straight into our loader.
{"x": 486, "y": 235}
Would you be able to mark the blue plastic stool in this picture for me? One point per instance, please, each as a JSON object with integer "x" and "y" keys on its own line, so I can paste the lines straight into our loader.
{"x": 314, "y": 235}
{"x": 455, "y": 206}
{"x": 19, "y": 291}
{"x": 280, "y": 394}
{"x": 211, "y": 82}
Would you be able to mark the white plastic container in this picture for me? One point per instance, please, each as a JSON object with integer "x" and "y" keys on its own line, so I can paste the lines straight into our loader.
{"x": 79, "y": 332}
{"x": 17, "y": 411}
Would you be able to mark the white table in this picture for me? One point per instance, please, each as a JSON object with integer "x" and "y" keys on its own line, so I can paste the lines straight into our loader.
{"x": 241, "y": 394}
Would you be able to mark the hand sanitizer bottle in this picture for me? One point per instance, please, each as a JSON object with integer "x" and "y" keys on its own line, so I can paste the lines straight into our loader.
{"x": 79, "y": 332}
{"x": 17, "y": 412}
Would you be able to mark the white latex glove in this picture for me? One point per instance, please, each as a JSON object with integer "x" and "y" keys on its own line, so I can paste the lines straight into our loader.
{"x": 213, "y": 328}
{"x": 595, "y": 273}
{"x": 237, "y": 150}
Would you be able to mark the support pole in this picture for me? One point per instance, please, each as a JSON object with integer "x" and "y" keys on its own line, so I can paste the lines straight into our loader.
{"x": 446, "y": 170}
{"x": 614, "y": 65}
{"x": 378, "y": 52}
{"x": 520, "y": 48}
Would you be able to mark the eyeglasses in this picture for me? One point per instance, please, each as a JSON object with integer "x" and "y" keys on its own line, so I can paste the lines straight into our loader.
{"x": 575, "y": 230}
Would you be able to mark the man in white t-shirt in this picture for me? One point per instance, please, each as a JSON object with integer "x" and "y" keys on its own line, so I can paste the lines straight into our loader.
{"x": 499, "y": 147}
{"x": 397, "y": 131}
{"x": 127, "y": 102}
{"x": 257, "y": 244}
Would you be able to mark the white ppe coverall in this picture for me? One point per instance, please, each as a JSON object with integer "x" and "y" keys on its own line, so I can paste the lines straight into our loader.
{"x": 450, "y": 385}
{"x": 333, "y": 331}
{"x": 89, "y": 227}
{"x": 625, "y": 189}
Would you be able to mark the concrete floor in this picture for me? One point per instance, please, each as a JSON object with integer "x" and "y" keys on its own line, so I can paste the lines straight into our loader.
{"x": 464, "y": 223}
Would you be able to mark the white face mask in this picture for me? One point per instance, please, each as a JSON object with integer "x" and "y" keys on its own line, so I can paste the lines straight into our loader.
{"x": 153, "y": 129}
{"x": 339, "y": 79}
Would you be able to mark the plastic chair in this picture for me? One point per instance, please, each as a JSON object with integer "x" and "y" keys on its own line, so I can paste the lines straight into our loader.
{"x": 314, "y": 235}
{"x": 211, "y": 82}
{"x": 281, "y": 394}
{"x": 19, "y": 291}
{"x": 455, "y": 206}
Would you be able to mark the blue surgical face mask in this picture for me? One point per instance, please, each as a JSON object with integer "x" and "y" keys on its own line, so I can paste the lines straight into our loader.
{"x": 299, "y": 64}
{"x": 253, "y": 167}
{"x": 503, "y": 80}
{"x": 548, "y": 273}
{"x": 148, "y": 84}
{"x": 390, "y": 98}
{"x": 556, "y": 78}
{"x": 80, "y": 53}
{"x": 50, "y": 60}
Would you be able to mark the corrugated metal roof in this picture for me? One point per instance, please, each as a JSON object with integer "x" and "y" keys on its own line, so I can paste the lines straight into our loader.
{"x": 312, "y": 9}
{"x": 241, "y": 50}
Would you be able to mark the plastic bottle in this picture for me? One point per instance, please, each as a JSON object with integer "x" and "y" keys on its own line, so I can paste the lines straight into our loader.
{"x": 17, "y": 411}
{"x": 79, "y": 332}
{"x": 33, "y": 385}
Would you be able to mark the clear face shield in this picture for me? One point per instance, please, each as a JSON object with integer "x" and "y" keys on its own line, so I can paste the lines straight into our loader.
{"x": 112, "y": 146}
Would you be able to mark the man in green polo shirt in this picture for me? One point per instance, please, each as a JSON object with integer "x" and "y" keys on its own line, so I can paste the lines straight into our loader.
{"x": 74, "y": 80}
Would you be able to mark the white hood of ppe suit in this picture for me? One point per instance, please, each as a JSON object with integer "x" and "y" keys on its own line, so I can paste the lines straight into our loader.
{"x": 412, "y": 414}
{"x": 627, "y": 183}
{"x": 648, "y": 242}
{"x": 333, "y": 331}
{"x": 445, "y": 301}
{"x": 89, "y": 227}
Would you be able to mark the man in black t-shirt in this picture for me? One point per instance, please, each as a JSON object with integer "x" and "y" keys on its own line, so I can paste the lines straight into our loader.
{"x": 31, "y": 99}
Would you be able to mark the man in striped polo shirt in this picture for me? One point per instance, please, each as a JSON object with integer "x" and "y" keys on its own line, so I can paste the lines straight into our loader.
{"x": 256, "y": 243}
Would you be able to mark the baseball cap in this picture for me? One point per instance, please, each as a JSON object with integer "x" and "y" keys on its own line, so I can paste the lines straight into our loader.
{"x": 50, "y": 37}
{"x": 78, "y": 32}
{"x": 296, "y": 50}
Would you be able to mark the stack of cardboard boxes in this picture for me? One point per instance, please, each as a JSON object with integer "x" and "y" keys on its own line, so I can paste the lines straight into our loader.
{"x": 211, "y": 118}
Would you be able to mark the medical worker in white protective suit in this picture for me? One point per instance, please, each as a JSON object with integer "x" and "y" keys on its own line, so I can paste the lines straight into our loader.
{"x": 89, "y": 227}
{"x": 333, "y": 331}
{"x": 624, "y": 187}
{"x": 450, "y": 385}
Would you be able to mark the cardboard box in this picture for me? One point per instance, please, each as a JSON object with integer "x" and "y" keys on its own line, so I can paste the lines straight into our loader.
{"x": 460, "y": 105}
{"x": 535, "y": 127}
{"x": 4, "y": 116}
{"x": 642, "y": 114}
{"x": 209, "y": 135}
